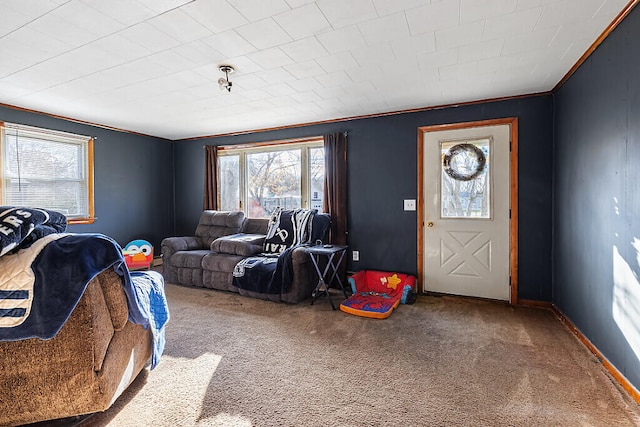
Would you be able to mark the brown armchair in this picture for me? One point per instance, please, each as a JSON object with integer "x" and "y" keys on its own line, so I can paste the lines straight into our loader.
{"x": 84, "y": 368}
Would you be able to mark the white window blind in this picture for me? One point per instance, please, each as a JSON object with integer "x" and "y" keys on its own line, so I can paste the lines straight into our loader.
{"x": 46, "y": 169}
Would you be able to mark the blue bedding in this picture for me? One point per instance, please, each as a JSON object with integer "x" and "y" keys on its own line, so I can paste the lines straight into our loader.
{"x": 62, "y": 270}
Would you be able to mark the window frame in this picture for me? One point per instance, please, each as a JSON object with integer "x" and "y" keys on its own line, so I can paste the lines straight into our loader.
{"x": 87, "y": 143}
{"x": 242, "y": 150}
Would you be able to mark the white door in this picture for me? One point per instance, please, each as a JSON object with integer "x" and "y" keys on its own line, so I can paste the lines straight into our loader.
{"x": 466, "y": 211}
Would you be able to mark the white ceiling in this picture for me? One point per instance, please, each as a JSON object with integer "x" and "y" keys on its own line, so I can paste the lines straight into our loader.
{"x": 151, "y": 66}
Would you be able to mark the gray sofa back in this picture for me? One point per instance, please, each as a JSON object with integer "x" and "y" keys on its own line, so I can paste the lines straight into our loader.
{"x": 214, "y": 224}
{"x": 255, "y": 225}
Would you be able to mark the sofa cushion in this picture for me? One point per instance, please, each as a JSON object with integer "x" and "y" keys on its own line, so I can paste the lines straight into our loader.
{"x": 288, "y": 228}
{"x": 214, "y": 224}
{"x": 220, "y": 262}
{"x": 189, "y": 259}
{"x": 239, "y": 244}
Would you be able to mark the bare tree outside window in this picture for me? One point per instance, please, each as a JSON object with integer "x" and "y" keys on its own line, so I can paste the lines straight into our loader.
{"x": 273, "y": 181}
{"x": 46, "y": 174}
{"x": 229, "y": 182}
{"x": 466, "y": 199}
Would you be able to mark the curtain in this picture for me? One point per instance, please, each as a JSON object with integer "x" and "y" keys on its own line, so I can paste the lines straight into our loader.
{"x": 335, "y": 185}
{"x": 211, "y": 177}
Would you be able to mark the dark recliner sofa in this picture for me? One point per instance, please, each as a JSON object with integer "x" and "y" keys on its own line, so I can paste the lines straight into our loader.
{"x": 224, "y": 238}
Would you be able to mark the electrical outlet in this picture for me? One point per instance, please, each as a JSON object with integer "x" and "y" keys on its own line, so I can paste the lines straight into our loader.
{"x": 409, "y": 204}
{"x": 356, "y": 255}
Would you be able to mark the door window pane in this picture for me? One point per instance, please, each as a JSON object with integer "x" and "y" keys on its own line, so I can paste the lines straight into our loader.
{"x": 229, "y": 183}
{"x": 465, "y": 179}
{"x": 273, "y": 180}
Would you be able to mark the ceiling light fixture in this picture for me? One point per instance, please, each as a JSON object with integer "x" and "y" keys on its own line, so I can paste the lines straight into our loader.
{"x": 224, "y": 82}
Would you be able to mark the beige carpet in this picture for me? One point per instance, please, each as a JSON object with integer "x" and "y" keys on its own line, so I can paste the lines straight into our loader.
{"x": 235, "y": 361}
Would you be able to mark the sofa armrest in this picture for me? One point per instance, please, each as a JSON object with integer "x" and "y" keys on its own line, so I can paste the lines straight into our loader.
{"x": 115, "y": 298}
{"x": 239, "y": 244}
{"x": 187, "y": 243}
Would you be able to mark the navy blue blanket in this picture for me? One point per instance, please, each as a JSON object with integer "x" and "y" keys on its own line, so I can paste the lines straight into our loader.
{"x": 265, "y": 273}
{"x": 20, "y": 227}
{"x": 62, "y": 270}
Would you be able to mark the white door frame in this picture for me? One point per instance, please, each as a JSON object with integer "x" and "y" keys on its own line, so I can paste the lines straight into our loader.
{"x": 513, "y": 203}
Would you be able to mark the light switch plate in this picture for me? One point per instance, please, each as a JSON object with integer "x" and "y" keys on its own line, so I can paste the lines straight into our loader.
{"x": 409, "y": 204}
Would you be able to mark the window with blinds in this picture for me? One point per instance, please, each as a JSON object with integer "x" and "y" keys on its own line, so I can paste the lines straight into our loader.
{"x": 47, "y": 169}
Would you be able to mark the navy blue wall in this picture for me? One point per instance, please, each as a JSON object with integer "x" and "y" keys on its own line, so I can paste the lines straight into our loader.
{"x": 597, "y": 198}
{"x": 382, "y": 171}
{"x": 133, "y": 180}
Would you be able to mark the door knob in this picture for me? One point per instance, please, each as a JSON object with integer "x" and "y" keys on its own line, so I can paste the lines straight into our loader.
{"x": 430, "y": 224}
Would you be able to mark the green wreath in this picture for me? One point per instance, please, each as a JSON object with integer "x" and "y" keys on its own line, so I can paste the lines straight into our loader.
{"x": 458, "y": 149}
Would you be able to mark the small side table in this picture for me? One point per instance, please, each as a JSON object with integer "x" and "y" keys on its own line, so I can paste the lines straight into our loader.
{"x": 334, "y": 255}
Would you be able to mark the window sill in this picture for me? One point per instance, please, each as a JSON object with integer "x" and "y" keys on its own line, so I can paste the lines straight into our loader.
{"x": 81, "y": 221}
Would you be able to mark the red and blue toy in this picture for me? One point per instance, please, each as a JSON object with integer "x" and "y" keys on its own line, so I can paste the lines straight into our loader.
{"x": 377, "y": 293}
{"x": 138, "y": 254}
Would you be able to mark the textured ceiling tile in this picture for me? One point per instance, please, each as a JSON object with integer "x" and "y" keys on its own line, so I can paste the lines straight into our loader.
{"x": 255, "y": 10}
{"x": 304, "y": 50}
{"x": 86, "y": 18}
{"x": 482, "y": 50}
{"x": 180, "y": 26}
{"x": 385, "y": 29}
{"x": 172, "y": 61}
{"x": 459, "y": 36}
{"x": 475, "y": 10}
{"x": 378, "y": 54}
{"x": 512, "y": 24}
{"x": 162, "y": 6}
{"x": 126, "y": 12}
{"x": 306, "y": 84}
{"x": 199, "y": 53}
{"x": 248, "y": 81}
{"x": 341, "y": 40}
{"x": 297, "y": 3}
{"x": 568, "y": 11}
{"x": 264, "y": 34}
{"x": 61, "y": 30}
{"x": 11, "y": 20}
{"x": 387, "y": 7}
{"x": 433, "y": 17}
{"x": 305, "y": 69}
{"x": 30, "y": 43}
{"x": 303, "y": 22}
{"x": 276, "y": 75}
{"x": 230, "y": 44}
{"x": 279, "y": 89}
{"x": 339, "y": 78}
{"x": 149, "y": 37}
{"x": 116, "y": 44}
{"x": 342, "y": 13}
{"x": 26, "y": 11}
{"x": 254, "y": 94}
{"x": 408, "y": 48}
{"x": 217, "y": 16}
{"x": 438, "y": 59}
{"x": 270, "y": 58}
{"x": 529, "y": 41}
{"x": 337, "y": 62}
